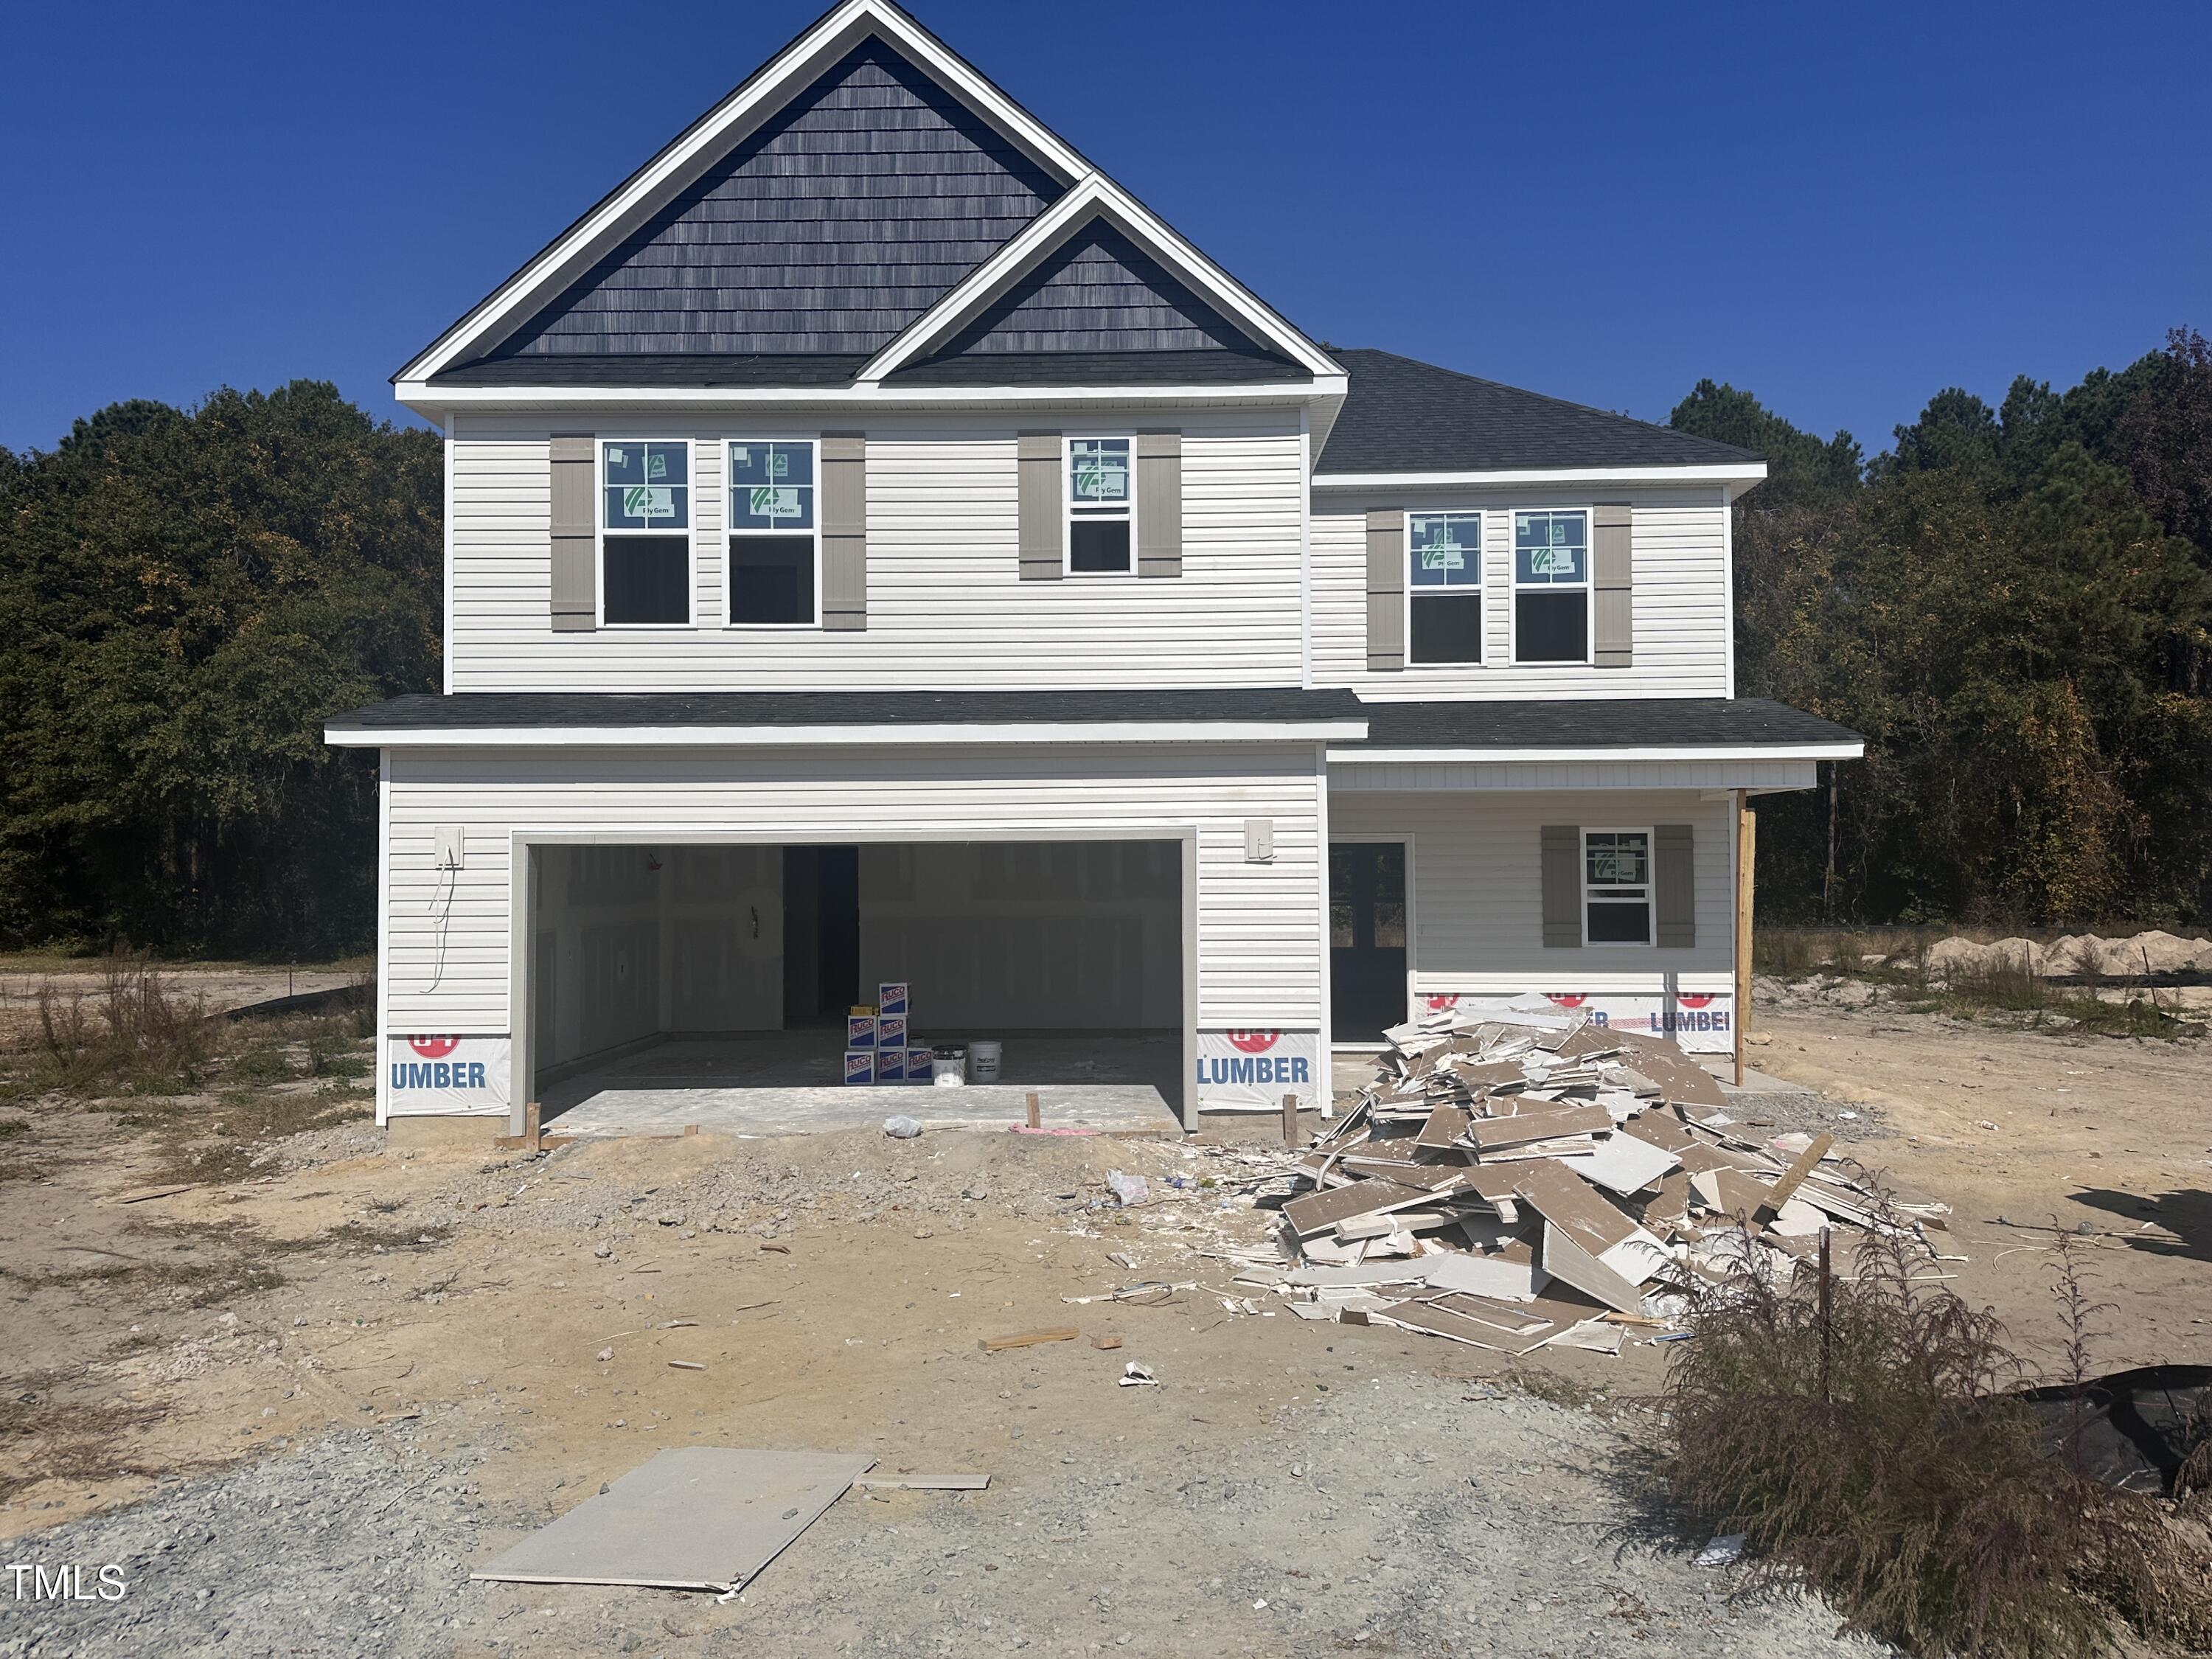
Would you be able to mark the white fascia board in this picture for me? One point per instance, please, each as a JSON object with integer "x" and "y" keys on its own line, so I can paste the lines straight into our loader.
{"x": 1095, "y": 198}
{"x": 1734, "y": 752}
{"x": 1742, "y": 472}
{"x": 435, "y": 401}
{"x": 703, "y": 736}
{"x": 760, "y": 96}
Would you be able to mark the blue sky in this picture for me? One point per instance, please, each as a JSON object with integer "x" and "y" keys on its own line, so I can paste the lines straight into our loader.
{"x": 1842, "y": 209}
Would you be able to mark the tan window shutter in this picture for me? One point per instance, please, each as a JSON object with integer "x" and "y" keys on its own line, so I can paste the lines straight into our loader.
{"x": 844, "y": 530}
{"x": 575, "y": 533}
{"x": 1386, "y": 590}
{"x": 1674, "y": 886}
{"x": 1613, "y": 625}
{"x": 1040, "y": 535}
{"x": 1562, "y": 858}
{"x": 1159, "y": 503}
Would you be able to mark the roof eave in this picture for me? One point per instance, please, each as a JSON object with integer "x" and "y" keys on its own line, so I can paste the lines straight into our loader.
{"x": 1742, "y": 473}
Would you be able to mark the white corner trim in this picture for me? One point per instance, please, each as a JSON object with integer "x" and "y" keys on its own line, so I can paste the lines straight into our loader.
{"x": 1780, "y": 751}
{"x": 699, "y": 736}
{"x": 758, "y": 96}
{"x": 1733, "y": 473}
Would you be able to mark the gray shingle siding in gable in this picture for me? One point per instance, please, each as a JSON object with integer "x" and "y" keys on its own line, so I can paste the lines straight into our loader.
{"x": 1098, "y": 295}
{"x": 1403, "y": 416}
{"x": 828, "y": 231}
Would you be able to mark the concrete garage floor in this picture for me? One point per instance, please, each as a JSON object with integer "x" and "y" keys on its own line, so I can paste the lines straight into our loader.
{"x": 775, "y": 1083}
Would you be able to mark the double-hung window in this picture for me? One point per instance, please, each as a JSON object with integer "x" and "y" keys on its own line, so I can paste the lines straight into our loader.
{"x": 1551, "y": 587}
{"x": 1616, "y": 887}
{"x": 1444, "y": 586}
{"x": 1102, "y": 503}
{"x": 776, "y": 534}
{"x": 645, "y": 531}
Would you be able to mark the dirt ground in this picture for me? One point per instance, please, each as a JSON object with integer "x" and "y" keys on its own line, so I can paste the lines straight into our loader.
{"x": 410, "y": 1360}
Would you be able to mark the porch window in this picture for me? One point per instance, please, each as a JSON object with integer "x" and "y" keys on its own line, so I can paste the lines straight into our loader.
{"x": 1101, "y": 507}
{"x": 1444, "y": 578}
{"x": 644, "y": 532}
{"x": 1616, "y": 886}
{"x": 1551, "y": 587}
{"x": 774, "y": 567}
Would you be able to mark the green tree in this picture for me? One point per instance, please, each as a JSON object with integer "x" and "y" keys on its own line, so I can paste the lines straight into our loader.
{"x": 185, "y": 596}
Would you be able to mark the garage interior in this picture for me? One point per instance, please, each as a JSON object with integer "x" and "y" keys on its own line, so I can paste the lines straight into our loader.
{"x": 709, "y": 984}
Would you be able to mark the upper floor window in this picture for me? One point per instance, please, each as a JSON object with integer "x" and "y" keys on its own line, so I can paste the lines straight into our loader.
{"x": 645, "y": 531}
{"x": 1616, "y": 887}
{"x": 1444, "y": 586}
{"x": 1102, "y": 496}
{"x": 776, "y": 548}
{"x": 1551, "y": 587}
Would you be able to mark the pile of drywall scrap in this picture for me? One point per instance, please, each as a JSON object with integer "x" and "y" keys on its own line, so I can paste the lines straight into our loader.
{"x": 1518, "y": 1175}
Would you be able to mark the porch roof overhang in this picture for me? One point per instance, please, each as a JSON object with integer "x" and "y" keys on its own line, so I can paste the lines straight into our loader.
{"x": 1629, "y": 729}
{"x": 489, "y": 720}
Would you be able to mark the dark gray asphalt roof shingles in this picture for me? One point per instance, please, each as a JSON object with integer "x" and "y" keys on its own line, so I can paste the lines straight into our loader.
{"x": 1403, "y": 416}
{"x": 1593, "y": 723}
{"x": 1639, "y": 723}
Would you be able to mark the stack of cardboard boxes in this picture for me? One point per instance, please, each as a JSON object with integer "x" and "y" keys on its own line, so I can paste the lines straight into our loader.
{"x": 877, "y": 1048}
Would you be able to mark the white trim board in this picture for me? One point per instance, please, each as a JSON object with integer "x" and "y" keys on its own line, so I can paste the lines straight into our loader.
{"x": 892, "y": 737}
{"x": 1734, "y": 473}
{"x": 431, "y": 401}
{"x": 1744, "y": 752}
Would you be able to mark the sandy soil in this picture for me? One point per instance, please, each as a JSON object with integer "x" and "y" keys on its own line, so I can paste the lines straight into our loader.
{"x": 452, "y": 1307}
{"x": 2110, "y": 1138}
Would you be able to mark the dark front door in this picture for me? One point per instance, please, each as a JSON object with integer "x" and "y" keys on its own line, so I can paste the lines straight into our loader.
{"x": 1366, "y": 938}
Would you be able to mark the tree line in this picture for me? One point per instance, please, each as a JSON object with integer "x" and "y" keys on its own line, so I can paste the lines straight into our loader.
{"x": 2014, "y": 605}
{"x": 185, "y": 596}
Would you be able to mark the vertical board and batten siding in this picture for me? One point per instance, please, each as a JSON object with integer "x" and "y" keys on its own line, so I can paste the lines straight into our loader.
{"x": 1478, "y": 888}
{"x": 945, "y": 605}
{"x": 448, "y": 935}
{"x": 1679, "y": 609}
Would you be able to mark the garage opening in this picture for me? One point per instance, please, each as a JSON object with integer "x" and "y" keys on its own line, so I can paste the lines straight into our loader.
{"x": 711, "y": 984}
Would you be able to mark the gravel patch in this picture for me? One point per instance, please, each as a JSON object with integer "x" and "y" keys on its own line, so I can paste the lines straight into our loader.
{"x": 1421, "y": 1515}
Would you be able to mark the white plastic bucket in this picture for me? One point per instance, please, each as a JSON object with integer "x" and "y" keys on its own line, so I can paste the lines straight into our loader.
{"x": 949, "y": 1065}
{"x": 983, "y": 1062}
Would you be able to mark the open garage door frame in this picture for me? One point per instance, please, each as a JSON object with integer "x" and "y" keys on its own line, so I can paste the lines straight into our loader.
{"x": 523, "y": 867}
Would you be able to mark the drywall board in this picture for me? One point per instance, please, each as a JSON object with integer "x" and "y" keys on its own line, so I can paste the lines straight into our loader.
{"x": 690, "y": 1517}
{"x": 1319, "y": 1211}
{"x": 1624, "y": 1163}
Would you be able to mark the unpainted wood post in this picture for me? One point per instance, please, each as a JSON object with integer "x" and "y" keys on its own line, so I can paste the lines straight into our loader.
{"x": 530, "y": 1126}
{"x": 1746, "y": 847}
{"x": 1290, "y": 1120}
{"x": 1036, "y": 1112}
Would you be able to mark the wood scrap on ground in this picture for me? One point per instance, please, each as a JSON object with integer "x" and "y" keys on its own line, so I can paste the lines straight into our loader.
{"x": 1518, "y": 1175}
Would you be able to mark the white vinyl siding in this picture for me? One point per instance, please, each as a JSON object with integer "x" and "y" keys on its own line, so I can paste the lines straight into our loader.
{"x": 1478, "y": 887}
{"x": 946, "y": 606}
{"x": 448, "y": 937}
{"x": 1680, "y": 598}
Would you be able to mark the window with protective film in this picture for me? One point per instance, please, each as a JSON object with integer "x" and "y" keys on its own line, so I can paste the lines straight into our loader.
{"x": 645, "y": 531}
{"x": 1551, "y": 587}
{"x": 774, "y": 569}
{"x": 1102, "y": 498}
{"x": 1617, "y": 886}
{"x": 1444, "y": 586}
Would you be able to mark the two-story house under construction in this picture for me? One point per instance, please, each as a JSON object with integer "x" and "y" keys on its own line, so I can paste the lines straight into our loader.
{"x": 880, "y": 548}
